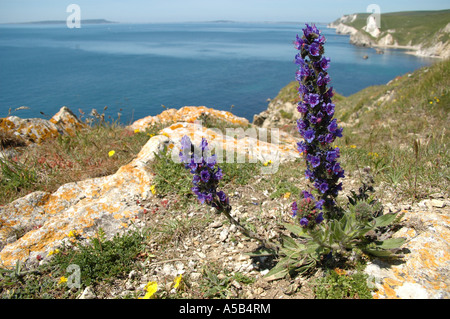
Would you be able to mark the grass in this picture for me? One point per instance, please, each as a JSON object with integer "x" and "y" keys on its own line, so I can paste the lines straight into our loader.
{"x": 69, "y": 159}
{"x": 403, "y": 141}
{"x": 383, "y": 124}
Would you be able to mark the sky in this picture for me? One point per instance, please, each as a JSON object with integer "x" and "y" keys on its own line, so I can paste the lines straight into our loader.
{"x": 160, "y": 11}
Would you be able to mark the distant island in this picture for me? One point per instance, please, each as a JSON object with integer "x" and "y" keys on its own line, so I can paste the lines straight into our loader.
{"x": 87, "y": 21}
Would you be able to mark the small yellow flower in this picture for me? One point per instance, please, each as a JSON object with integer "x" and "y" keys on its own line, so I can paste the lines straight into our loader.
{"x": 73, "y": 234}
{"x": 287, "y": 195}
{"x": 111, "y": 153}
{"x": 151, "y": 135}
{"x": 62, "y": 280}
{"x": 267, "y": 163}
{"x": 177, "y": 281}
{"x": 53, "y": 252}
{"x": 437, "y": 100}
{"x": 165, "y": 134}
{"x": 136, "y": 131}
{"x": 151, "y": 287}
{"x": 352, "y": 146}
{"x": 153, "y": 189}
{"x": 431, "y": 102}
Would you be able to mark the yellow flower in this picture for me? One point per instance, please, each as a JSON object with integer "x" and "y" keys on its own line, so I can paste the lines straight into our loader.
{"x": 165, "y": 134}
{"x": 352, "y": 146}
{"x": 151, "y": 287}
{"x": 437, "y": 100}
{"x": 287, "y": 195}
{"x": 177, "y": 281}
{"x": 53, "y": 252}
{"x": 62, "y": 280}
{"x": 431, "y": 102}
{"x": 136, "y": 131}
{"x": 151, "y": 135}
{"x": 267, "y": 163}
{"x": 73, "y": 233}
{"x": 152, "y": 188}
{"x": 111, "y": 153}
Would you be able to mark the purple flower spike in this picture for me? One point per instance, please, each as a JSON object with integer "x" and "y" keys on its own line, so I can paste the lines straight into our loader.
{"x": 317, "y": 126}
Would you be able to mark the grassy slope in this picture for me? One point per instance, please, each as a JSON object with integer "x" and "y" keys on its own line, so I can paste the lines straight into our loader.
{"x": 383, "y": 122}
{"x": 411, "y": 27}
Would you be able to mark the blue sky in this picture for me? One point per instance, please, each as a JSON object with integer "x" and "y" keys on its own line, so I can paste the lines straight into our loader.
{"x": 155, "y": 11}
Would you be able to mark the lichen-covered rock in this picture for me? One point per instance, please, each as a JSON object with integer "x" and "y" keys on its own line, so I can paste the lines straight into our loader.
{"x": 186, "y": 114}
{"x": 423, "y": 273}
{"x": 36, "y": 224}
{"x": 40, "y": 222}
{"x": 36, "y": 130}
{"x": 252, "y": 142}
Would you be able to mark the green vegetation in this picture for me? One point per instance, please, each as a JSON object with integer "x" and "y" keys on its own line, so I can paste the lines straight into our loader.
{"x": 398, "y": 130}
{"x": 411, "y": 27}
{"x": 337, "y": 284}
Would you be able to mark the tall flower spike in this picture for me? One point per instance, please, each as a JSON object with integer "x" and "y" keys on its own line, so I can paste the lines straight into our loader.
{"x": 317, "y": 126}
{"x": 206, "y": 177}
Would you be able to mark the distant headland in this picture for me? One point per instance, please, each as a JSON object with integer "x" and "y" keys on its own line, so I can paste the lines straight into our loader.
{"x": 86, "y": 21}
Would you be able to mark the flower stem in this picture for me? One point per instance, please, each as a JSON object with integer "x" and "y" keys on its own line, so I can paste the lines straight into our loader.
{"x": 226, "y": 211}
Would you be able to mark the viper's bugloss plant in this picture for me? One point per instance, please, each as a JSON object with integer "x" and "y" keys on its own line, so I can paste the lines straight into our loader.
{"x": 206, "y": 176}
{"x": 317, "y": 126}
{"x": 324, "y": 231}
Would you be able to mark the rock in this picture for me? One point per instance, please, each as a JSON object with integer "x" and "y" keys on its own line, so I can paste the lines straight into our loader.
{"x": 250, "y": 142}
{"x": 47, "y": 219}
{"x": 423, "y": 272}
{"x": 216, "y": 224}
{"x": 187, "y": 114}
{"x": 223, "y": 234}
{"x": 437, "y": 203}
{"x": 38, "y": 130}
{"x": 88, "y": 293}
{"x": 195, "y": 276}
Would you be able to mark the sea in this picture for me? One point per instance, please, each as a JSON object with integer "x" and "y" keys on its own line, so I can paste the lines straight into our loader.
{"x": 130, "y": 71}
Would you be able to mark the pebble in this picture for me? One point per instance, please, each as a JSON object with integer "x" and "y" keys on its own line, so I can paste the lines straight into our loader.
{"x": 223, "y": 234}
{"x": 88, "y": 293}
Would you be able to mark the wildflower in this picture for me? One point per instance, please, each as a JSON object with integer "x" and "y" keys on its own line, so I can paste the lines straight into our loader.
{"x": 267, "y": 163}
{"x": 287, "y": 195}
{"x": 153, "y": 189}
{"x": 62, "y": 280}
{"x": 177, "y": 281}
{"x": 73, "y": 234}
{"x": 206, "y": 175}
{"x": 317, "y": 126}
{"x": 136, "y": 131}
{"x": 53, "y": 252}
{"x": 111, "y": 153}
{"x": 352, "y": 146}
{"x": 151, "y": 288}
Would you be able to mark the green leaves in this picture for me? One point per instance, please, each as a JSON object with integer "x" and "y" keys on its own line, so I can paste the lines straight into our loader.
{"x": 294, "y": 260}
{"x": 339, "y": 236}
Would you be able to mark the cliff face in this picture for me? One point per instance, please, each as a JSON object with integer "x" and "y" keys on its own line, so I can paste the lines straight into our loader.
{"x": 425, "y": 34}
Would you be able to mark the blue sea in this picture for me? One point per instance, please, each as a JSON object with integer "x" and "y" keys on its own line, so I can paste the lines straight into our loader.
{"x": 138, "y": 69}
